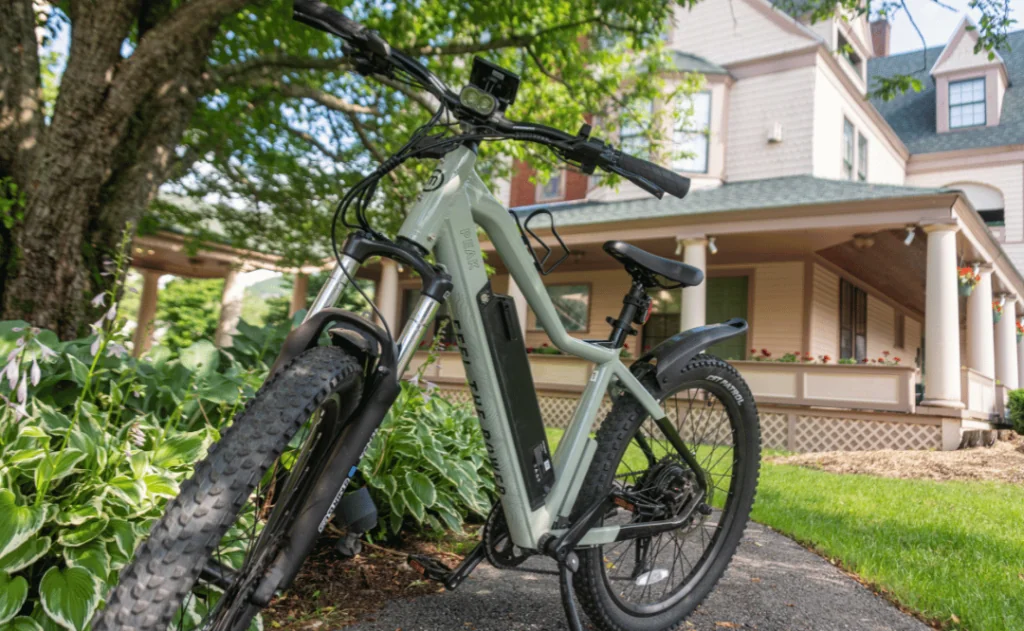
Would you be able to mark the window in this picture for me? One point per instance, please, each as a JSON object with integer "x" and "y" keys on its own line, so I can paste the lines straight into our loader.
{"x": 664, "y": 320}
{"x": 967, "y": 103}
{"x": 632, "y": 127}
{"x": 899, "y": 331}
{"x": 442, "y": 326}
{"x": 692, "y": 133}
{"x": 846, "y": 50}
{"x": 847, "y": 150}
{"x": 853, "y": 322}
{"x": 995, "y": 218}
{"x": 553, "y": 189}
{"x": 862, "y": 158}
{"x": 572, "y": 303}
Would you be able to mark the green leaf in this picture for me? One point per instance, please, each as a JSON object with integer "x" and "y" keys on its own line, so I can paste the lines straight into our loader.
{"x": 17, "y": 523}
{"x": 201, "y": 357}
{"x": 23, "y": 623}
{"x": 125, "y": 536}
{"x": 25, "y": 555}
{"x": 161, "y": 485}
{"x": 13, "y": 592}
{"x": 184, "y": 448}
{"x": 86, "y": 510}
{"x": 79, "y": 371}
{"x": 70, "y": 596}
{"x": 422, "y": 487}
{"x": 92, "y": 556}
{"x": 55, "y": 467}
{"x": 132, "y": 491}
{"x": 83, "y": 534}
{"x": 413, "y": 503}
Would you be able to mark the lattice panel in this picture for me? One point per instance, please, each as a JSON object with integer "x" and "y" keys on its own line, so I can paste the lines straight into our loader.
{"x": 823, "y": 433}
{"x": 774, "y": 431}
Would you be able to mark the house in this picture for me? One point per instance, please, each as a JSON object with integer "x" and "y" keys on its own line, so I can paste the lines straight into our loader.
{"x": 836, "y": 225}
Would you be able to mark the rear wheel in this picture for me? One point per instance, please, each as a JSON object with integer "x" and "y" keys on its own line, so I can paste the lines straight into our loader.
{"x": 208, "y": 552}
{"x": 653, "y": 583}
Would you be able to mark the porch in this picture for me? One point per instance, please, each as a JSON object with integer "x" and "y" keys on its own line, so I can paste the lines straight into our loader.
{"x": 869, "y": 281}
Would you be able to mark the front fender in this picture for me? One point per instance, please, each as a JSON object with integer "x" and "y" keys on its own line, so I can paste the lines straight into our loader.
{"x": 668, "y": 359}
{"x": 348, "y": 330}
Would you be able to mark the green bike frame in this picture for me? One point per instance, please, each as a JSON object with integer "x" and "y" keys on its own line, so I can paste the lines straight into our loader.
{"x": 454, "y": 203}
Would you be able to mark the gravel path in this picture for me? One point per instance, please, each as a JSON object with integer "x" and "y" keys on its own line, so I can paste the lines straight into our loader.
{"x": 773, "y": 584}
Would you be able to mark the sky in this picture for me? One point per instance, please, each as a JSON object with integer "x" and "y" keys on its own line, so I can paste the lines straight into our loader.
{"x": 937, "y": 23}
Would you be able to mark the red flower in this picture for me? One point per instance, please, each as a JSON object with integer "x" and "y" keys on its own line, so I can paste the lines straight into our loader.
{"x": 864, "y": 361}
{"x": 825, "y": 359}
{"x": 530, "y": 349}
{"x": 544, "y": 344}
{"x": 765, "y": 353}
{"x": 896, "y": 359}
{"x": 625, "y": 346}
{"x": 886, "y": 353}
{"x": 753, "y": 350}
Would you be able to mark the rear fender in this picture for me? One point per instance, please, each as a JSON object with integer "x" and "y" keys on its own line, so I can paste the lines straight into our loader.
{"x": 666, "y": 361}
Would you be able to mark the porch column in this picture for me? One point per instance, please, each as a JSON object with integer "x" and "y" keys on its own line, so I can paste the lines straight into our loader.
{"x": 1020, "y": 359}
{"x": 387, "y": 293}
{"x": 942, "y": 319}
{"x": 143, "y": 337}
{"x": 694, "y": 303}
{"x": 300, "y": 286}
{"x": 517, "y": 296}
{"x": 230, "y": 308}
{"x": 980, "y": 334}
{"x": 1006, "y": 345}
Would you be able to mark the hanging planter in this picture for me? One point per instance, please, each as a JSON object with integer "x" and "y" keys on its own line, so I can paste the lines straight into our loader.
{"x": 1020, "y": 331}
{"x": 967, "y": 280}
{"x": 997, "y": 311}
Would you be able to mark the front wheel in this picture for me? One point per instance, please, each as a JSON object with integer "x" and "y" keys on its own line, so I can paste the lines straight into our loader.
{"x": 206, "y": 554}
{"x": 653, "y": 583}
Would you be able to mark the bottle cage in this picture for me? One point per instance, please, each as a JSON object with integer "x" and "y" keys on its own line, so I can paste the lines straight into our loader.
{"x": 540, "y": 261}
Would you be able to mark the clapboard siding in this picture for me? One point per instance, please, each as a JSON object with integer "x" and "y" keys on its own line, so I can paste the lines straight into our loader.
{"x": 825, "y": 314}
{"x": 778, "y": 303}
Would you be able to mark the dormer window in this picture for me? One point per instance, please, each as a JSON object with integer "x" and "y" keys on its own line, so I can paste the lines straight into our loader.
{"x": 849, "y": 54}
{"x": 553, "y": 190}
{"x": 967, "y": 103}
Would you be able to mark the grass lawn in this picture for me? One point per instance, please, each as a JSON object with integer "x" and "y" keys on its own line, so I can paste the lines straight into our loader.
{"x": 953, "y": 551}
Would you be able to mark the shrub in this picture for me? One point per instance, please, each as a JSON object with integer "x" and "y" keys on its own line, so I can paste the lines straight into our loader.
{"x": 428, "y": 463}
{"x": 1017, "y": 410}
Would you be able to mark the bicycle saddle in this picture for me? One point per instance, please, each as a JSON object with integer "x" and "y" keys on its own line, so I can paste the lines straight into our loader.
{"x": 650, "y": 270}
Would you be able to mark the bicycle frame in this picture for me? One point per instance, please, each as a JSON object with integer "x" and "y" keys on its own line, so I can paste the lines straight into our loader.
{"x": 444, "y": 221}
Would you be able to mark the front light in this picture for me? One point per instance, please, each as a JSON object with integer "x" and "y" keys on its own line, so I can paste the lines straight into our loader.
{"x": 477, "y": 100}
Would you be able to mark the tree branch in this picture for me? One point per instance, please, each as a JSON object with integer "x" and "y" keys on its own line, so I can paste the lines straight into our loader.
{"x": 260, "y": 66}
{"x": 309, "y": 138}
{"x": 319, "y": 96}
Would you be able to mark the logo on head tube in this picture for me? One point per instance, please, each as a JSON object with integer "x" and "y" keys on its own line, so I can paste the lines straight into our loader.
{"x": 435, "y": 181}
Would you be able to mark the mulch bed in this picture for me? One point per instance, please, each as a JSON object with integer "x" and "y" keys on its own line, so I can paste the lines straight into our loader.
{"x": 1003, "y": 462}
{"x": 331, "y": 592}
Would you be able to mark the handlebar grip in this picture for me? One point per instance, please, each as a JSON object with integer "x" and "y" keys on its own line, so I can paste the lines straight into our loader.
{"x": 321, "y": 16}
{"x": 668, "y": 181}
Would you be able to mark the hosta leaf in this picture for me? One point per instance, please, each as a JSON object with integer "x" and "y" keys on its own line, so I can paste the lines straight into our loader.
{"x": 81, "y": 513}
{"x": 132, "y": 491}
{"x": 70, "y": 596}
{"x": 139, "y": 463}
{"x": 413, "y": 503}
{"x": 422, "y": 487}
{"x": 202, "y": 357}
{"x": 17, "y": 523}
{"x": 13, "y": 592}
{"x": 79, "y": 371}
{"x": 395, "y": 520}
{"x": 22, "y": 623}
{"x": 81, "y": 535}
{"x": 92, "y": 556}
{"x": 24, "y": 457}
{"x": 433, "y": 456}
{"x": 54, "y": 467}
{"x": 25, "y": 555}
{"x": 161, "y": 485}
{"x": 184, "y": 448}
{"x": 450, "y": 517}
{"x": 32, "y": 431}
{"x": 124, "y": 536}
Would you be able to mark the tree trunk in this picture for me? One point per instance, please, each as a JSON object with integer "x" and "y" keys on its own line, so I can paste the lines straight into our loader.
{"x": 108, "y": 148}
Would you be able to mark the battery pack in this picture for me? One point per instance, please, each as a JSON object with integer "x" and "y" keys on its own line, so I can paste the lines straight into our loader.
{"x": 515, "y": 381}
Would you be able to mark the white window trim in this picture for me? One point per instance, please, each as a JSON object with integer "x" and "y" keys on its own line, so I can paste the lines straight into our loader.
{"x": 983, "y": 102}
{"x": 705, "y": 132}
{"x": 539, "y": 194}
{"x": 852, "y": 167}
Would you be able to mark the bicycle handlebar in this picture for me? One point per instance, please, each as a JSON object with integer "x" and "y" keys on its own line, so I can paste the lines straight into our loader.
{"x": 652, "y": 178}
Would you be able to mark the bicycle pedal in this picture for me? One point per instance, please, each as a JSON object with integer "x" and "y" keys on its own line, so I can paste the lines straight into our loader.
{"x": 429, "y": 567}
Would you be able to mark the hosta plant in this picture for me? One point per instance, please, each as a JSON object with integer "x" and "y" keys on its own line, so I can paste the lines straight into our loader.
{"x": 428, "y": 464}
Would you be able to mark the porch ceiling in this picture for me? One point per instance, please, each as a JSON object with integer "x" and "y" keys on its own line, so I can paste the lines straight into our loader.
{"x": 895, "y": 269}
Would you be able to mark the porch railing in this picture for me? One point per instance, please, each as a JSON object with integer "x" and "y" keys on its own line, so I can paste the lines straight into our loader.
{"x": 885, "y": 388}
{"x": 980, "y": 393}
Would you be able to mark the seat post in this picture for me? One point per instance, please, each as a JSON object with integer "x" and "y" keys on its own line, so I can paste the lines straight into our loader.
{"x": 635, "y": 309}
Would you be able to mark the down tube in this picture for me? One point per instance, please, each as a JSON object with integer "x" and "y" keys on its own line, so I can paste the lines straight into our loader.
{"x": 458, "y": 249}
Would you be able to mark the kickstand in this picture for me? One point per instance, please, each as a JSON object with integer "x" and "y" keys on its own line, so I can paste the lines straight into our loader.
{"x": 565, "y": 572}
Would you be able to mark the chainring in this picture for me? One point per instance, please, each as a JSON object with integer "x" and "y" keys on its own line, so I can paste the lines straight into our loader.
{"x": 501, "y": 552}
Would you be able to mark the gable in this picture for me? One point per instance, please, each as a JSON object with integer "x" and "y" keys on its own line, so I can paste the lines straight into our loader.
{"x": 959, "y": 52}
{"x": 731, "y": 31}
